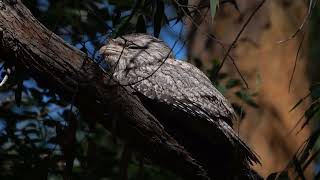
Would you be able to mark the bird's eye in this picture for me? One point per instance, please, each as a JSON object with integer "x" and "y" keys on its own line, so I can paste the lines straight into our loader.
{"x": 137, "y": 47}
{"x": 119, "y": 43}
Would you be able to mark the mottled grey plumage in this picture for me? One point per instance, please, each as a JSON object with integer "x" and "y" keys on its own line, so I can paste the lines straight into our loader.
{"x": 180, "y": 95}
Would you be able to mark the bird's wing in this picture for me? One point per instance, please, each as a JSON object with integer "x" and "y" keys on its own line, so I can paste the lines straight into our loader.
{"x": 182, "y": 86}
{"x": 180, "y": 82}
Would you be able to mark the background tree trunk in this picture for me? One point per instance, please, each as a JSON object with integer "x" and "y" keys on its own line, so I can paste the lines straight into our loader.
{"x": 268, "y": 129}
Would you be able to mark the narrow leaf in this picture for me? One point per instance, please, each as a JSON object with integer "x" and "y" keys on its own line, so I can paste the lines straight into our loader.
{"x": 213, "y": 7}
{"x": 233, "y": 83}
{"x": 297, "y": 104}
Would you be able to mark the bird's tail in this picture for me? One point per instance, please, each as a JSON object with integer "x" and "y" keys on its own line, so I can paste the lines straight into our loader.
{"x": 217, "y": 147}
{"x": 240, "y": 147}
{"x": 237, "y": 154}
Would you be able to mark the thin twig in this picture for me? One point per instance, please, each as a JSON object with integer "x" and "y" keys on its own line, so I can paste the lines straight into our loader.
{"x": 116, "y": 65}
{"x": 239, "y": 34}
{"x": 312, "y": 5}
{"x": 162, "y": 63}
{"x": 238, "y": 71}
{"x": 221, "y": 43}
{"x": 296, "y": 61}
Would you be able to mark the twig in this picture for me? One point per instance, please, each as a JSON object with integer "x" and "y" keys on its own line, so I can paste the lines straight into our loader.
{"x": 312, "y": 5}
{"x": 222, "y": 44}
{"x": 296, "y": 61}
{"x": 133, "y": 83}
{"x": 239, "y": 34}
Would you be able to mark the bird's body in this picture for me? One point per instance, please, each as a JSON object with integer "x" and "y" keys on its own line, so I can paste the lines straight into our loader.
{"x": 184, "y": 100}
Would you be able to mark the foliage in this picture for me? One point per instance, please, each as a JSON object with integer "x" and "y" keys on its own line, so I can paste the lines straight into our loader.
{"x": 213, "y": 6}
{"x": 35, "y": 141}
{"x": 226, "y": 85}
{"x": 309, "y": 150}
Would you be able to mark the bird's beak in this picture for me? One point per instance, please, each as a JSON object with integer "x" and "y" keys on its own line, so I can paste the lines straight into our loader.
{"x": 109, "y": 49}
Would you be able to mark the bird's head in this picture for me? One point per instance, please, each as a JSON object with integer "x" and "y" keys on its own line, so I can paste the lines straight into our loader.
{"x": 134, "y": 50}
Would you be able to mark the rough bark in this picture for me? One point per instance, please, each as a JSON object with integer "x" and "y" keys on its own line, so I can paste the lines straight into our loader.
{"x": 27, "y": 43}
{"x": 257, "y": 53}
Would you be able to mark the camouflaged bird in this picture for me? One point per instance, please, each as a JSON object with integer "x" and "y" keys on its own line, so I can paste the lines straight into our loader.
{"x": 184, "y": 100}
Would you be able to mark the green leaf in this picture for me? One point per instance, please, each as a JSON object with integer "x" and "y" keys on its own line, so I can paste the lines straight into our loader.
{"x": 221, "y": 88}
{"x": 231, "y": 83}
{"x": 311, "y": 112}
{"x": 213, "y": 7}
{"x": 246, "y": 97}
{"x": 214, "y": 68}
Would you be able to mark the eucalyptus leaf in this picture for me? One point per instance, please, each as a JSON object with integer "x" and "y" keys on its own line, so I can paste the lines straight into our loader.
{"x": 246, "y": 97}
{"x": 213, "y": 7}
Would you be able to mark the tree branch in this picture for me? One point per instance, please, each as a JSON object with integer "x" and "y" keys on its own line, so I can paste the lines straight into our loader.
{"x": 26, "y": 43}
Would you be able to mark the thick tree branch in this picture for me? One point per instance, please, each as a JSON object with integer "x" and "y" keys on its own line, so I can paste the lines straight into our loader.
{"x": 25, "y": 42}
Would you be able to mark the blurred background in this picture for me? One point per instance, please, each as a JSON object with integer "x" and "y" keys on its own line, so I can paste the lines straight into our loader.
{"x": 271, "y": 77}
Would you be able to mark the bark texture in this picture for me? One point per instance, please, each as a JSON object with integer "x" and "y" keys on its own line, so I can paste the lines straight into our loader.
{"x": 59, "y": 66}
{"x": 258, "y": 55}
